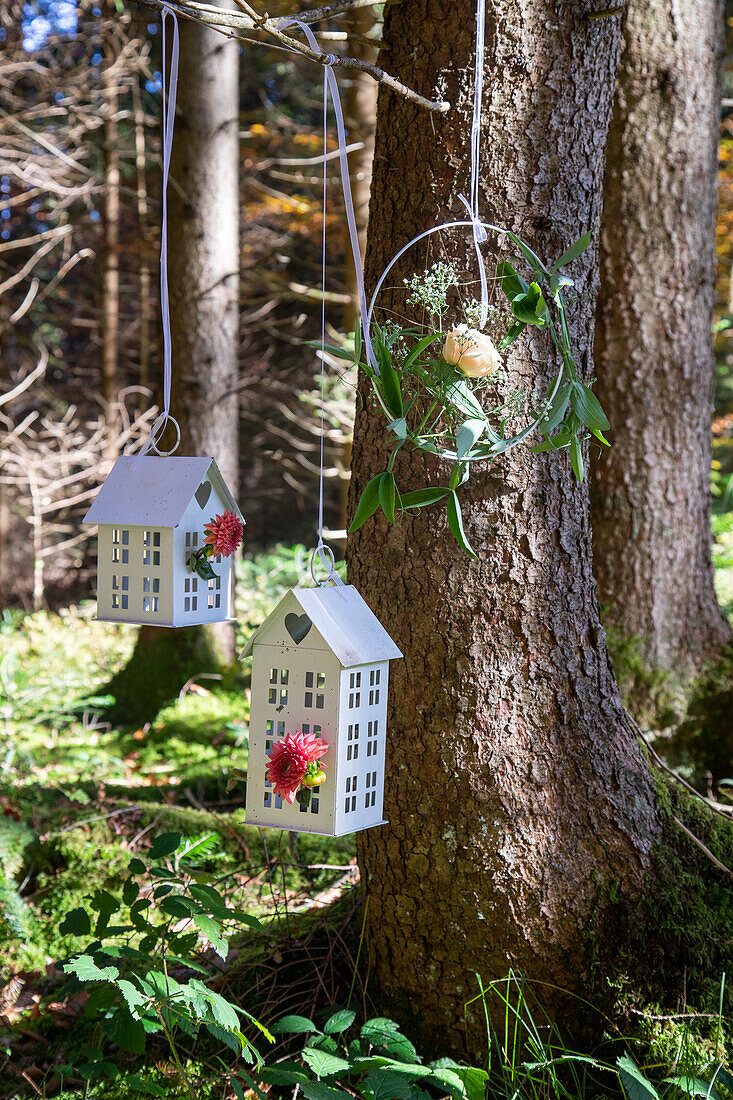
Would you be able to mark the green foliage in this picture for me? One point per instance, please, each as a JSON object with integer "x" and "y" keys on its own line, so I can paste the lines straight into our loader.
{"x": 162, "y": 908}
{"x": 15, "y": 836}
{"x": 526, "y": 1059}
{"x": 432, "y": 406}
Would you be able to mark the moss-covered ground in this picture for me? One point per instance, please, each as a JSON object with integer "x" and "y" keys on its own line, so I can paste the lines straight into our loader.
{"x": 79, "y": 795}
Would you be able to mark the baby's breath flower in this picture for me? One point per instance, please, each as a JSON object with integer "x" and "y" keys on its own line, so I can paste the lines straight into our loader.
{"x": 431, "y": 288}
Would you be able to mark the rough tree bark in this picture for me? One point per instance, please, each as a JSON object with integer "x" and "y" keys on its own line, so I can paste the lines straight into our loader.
{"x": 654, "y": 354}
{"x": 203, "y": 271}
{"x": 516, "y": 796}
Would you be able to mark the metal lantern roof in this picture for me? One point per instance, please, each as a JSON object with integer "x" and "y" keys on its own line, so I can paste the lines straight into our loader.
{"x": 155, "y": 492}
{"x": 344, "y": 620}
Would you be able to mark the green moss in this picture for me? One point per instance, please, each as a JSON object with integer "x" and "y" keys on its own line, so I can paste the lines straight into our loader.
{"x": 161, "y": 663}
{"x": 654, "y": 698}
{"x": 677, "y": 938}
{"x": 703, "y": 741}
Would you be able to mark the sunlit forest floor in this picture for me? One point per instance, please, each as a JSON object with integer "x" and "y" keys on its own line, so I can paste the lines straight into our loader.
{"x": 80, "y": 796}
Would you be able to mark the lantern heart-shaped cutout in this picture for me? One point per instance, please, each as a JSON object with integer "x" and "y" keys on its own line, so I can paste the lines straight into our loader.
{"x": 203, "y": 493}
{"x": 297, "y": 626}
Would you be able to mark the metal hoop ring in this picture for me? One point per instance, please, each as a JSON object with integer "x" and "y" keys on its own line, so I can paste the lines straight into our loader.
{"x": 320, "y": 552}
{"x": 157, "y": 430}
{"x": 451, "y": 456}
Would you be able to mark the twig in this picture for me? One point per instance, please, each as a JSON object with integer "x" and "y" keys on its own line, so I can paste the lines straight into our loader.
{"x": 29, "y": 379}
{"x": 716, "y": 807}
{"x": 242, "y": 21}
{"x": 703, "y": 848}
{"x": 89, "y": 820}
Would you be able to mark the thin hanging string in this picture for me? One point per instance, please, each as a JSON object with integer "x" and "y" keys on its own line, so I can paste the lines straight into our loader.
{"x": 331, "y": 84}
{"x": 169, "y": 118}
{"x": 320, "y": 547}
{"x": 479, "y": 233}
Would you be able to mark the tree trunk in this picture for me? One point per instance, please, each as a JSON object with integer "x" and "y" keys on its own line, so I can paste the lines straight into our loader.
{"x": 111, "y": 249}
{"x": 203, "y": 269}
{"x": 516, "y": 796}
{"x": 203, "y": 250}
{"x": 144, "y": 277}
{"x": 654, "y": 350}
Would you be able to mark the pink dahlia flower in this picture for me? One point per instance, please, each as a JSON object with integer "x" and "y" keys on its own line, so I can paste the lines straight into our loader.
{"x": 224, "y": 534}
{"x": 289, "y": 761}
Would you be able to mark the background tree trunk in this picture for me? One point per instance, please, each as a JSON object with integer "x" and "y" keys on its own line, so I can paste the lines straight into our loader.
{"x": 514, "y": 792}
{"x": 203, "y": 271}
{"x": 654, "y": 350}
{"x": 204, "y": 257}
{"x": 111, "y": 246}
{"x": 360, "y": 108}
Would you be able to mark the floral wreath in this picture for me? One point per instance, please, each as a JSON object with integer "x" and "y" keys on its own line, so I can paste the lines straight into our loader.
{"x": 431, "y": 400}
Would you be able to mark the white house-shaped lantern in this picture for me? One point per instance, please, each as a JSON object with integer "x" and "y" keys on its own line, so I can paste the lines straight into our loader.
{"x": 151, "y": 513}
{"x": 321, "y": 665}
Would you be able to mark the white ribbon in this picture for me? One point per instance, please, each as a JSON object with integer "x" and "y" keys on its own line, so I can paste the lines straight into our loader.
{"x": 169, "y": 118}
{"x": 479, "y": 233}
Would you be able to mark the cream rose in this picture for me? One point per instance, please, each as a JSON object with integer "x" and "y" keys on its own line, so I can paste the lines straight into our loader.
{"x": 471, "y": 352}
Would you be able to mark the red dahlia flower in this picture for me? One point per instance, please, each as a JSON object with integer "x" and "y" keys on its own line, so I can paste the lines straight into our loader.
{"x": 223, "y": 534}
{"x": 289, "y": 761}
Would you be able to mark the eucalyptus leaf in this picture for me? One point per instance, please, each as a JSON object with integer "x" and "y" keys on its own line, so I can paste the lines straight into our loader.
{"x": 587, "y": 408}
{"x": 460, "y": 396}
{"x": 419, "y": 348}
{"x": 508, "y": 339}
{"x": 368, "y": 502}
{"x": 574, "y": 251}
{"x": 387, "y": 495}
{"x": 338, "y": 353}
{"x": 511, "y": 282}
{"x": 556, "y": 410}
{"x": 390, "y": 381}
{"x": 455, "y": 522}
{"x": 421, "y": 498}
{"x": 556, "y": 443}
{"x": 531, "y": 307}
{"x": 531, "y": 257}
{"x": 469, "y": 433}
{"x": 576, "y": 458}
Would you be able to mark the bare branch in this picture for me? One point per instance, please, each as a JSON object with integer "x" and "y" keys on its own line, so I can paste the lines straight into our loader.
{"x": 244, "y": 21}
{"x": 703, "y": 848}
{"x": 29, "y": 379}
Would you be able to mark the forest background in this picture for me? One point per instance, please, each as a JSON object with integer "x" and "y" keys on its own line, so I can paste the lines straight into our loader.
{"x": 83, "y": 770}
